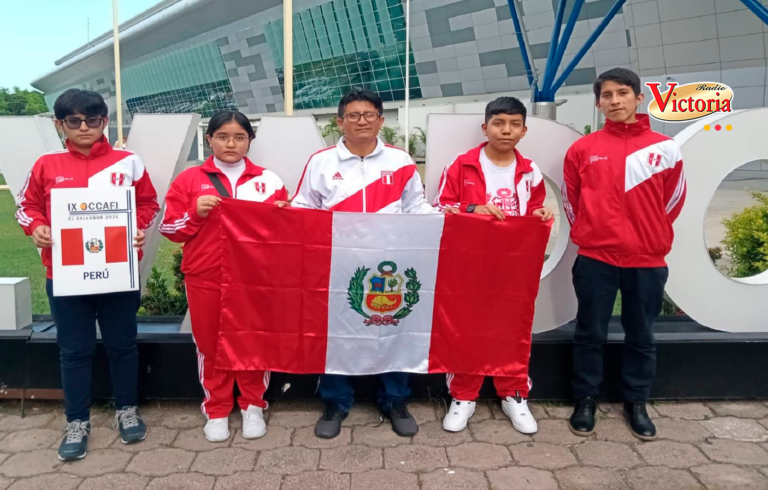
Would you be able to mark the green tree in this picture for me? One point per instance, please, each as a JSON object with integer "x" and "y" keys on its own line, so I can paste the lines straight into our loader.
{"x": 159, "y": 298}
{"x": 21, "y": 102}
{"x": 331, "y": 129}
{"x": 389, "y": 135}
{"x": 392, "y": 283}
{"x": 746, "y": 238}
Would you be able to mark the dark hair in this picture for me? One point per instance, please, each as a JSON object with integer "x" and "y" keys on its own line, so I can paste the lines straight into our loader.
{"x": 622, "y": 76}
{"x": 221, "y": 118}
{"x": 363, "y": 95}
{"x": 505, "y": 105}
{"x": 85, "y": 102}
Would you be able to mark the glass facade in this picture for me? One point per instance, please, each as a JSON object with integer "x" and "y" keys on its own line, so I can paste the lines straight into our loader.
{"x": 343, "y": 44}
{"x": 205, "y": 99}
{"x": 190, "y": 66}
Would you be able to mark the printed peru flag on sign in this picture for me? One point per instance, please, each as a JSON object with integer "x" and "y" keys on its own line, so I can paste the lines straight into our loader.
{"x": 113, "y": 246}
{"x": 93, "y": 232}
{"x": 308, "y": 291}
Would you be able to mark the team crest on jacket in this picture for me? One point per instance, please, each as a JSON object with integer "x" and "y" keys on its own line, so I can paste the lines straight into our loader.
{"x": 382, "y": 294}
{"x": 261, "y": 187}
{"x": 94, "y": 245}
{"x": 387, "y": 177}
{"x": 654, "y": 159}
{"x": 118, "y": 179}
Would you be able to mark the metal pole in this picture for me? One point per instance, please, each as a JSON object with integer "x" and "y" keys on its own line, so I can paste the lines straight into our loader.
{"x": 406, "y": 129}
{"x": 758, "y": 9}
{"x": 522, "y": 39}
{"x": 553, "y": 86}
{"x": 118, "y": 87}
{"x": 562, "y": 45}
{"x": 288, "y": 55}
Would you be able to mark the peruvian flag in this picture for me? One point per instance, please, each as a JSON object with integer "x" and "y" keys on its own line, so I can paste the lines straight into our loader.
{"x": 74, "y": 247}
{"x": 308, "y": 291}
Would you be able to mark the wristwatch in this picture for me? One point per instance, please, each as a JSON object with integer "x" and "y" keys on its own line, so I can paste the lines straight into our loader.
{"x": 471, "y": 208}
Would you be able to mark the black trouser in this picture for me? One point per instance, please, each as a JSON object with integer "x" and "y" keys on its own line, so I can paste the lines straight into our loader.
{"x": 75, "y": 318}
{"x": 642, "y": 291}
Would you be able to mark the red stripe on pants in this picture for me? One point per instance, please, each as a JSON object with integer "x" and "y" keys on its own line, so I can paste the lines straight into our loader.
{"x": 466, "y": 387}
{"x": 204, "y": 298}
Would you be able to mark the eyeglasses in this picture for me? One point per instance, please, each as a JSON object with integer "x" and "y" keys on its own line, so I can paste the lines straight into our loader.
{"x": 354, "y": 117}
{"x": 223, "y": 139}
{"x": 76, "y": 122}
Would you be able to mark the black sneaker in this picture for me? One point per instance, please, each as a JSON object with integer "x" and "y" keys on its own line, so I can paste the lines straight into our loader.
{"x": 75, "y": 443}
{"x": 132, "y": 428}
{"x": 329, "y": 425}
{"x": 403, "y": 422}
{"x": 582, "y": 422}
{"x": 639, "y": 421}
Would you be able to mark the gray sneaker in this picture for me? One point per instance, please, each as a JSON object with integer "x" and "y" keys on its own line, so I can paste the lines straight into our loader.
{"x": 403, "y": 422}
{"x": 132, "y": 428}
{"x": 329, "y": 425}
{"x": 75, "y": 443}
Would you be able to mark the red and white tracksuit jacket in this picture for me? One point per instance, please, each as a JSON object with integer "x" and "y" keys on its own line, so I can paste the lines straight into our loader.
{"x": 386, "y": 181}
{"x": 105, "y": 166}
{"x": 623, "y": 187}
{"x": 462, "y": 184}
{"x": 202, "y": 252}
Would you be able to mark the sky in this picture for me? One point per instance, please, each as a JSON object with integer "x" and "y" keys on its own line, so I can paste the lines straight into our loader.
{"x": 35, "y": 33}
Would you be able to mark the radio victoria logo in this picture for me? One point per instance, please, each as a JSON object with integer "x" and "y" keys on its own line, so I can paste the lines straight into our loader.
{"x": 683, "y": 103}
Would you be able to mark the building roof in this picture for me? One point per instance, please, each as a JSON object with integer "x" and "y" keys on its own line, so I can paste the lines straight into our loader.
{"x": 167, "y": 23}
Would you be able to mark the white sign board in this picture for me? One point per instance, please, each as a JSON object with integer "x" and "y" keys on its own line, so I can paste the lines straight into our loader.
{"x": 284, "y": 145}
{"x": 93, "y": 232}
{"x": 162, "y": 141}
{"x": 22, "y": 140}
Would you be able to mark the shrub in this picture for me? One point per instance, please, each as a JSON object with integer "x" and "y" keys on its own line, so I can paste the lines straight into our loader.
{"x": 158, "y": 298}
{"x": 746, "y": 238}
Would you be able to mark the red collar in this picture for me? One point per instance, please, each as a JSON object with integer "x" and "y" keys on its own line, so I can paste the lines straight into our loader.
{"x": 642, "y": 125}
{"x": 101, "y": 147}
{"x": 250, "y": 168}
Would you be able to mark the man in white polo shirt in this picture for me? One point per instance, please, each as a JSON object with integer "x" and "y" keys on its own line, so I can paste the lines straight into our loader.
{"x": 363, "y": 175}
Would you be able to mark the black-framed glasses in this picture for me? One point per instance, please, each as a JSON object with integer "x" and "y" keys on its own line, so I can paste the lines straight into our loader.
{"x": 76, "y": 122}
{"x": 354, "y": 117}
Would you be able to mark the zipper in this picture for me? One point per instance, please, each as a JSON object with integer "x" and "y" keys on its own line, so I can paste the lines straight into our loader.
{"x": 362, "y": 169}
{"x": 624, "y": 247}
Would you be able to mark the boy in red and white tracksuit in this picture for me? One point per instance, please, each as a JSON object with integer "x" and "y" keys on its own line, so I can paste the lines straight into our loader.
{"x": 623, "y": 188}
{"x": 190, "y": 198}
{"x": 495, "y": 179}
{"x": 89, "y": 162}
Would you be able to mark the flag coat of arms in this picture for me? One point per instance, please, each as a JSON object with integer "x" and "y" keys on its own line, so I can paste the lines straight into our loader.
{"x": 308, "y": 291}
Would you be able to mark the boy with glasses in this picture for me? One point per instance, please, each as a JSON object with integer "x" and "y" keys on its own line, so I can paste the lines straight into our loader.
{"x": 362, "y": 175}
{"x": 89, "y": 161}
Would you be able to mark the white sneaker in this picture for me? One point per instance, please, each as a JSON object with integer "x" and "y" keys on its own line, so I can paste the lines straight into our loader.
{"x": 217, "y": 430}
{"x": 253, "y": 422}
{"x": 458, "y": 415}
{"x": 521, "y": 417}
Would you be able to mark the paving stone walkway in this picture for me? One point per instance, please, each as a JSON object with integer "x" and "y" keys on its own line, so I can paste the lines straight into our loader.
{"x": 717, "y": 445}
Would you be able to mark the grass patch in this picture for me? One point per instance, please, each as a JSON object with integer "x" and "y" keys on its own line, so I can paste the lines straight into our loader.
{"x": 19, "y": 258}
